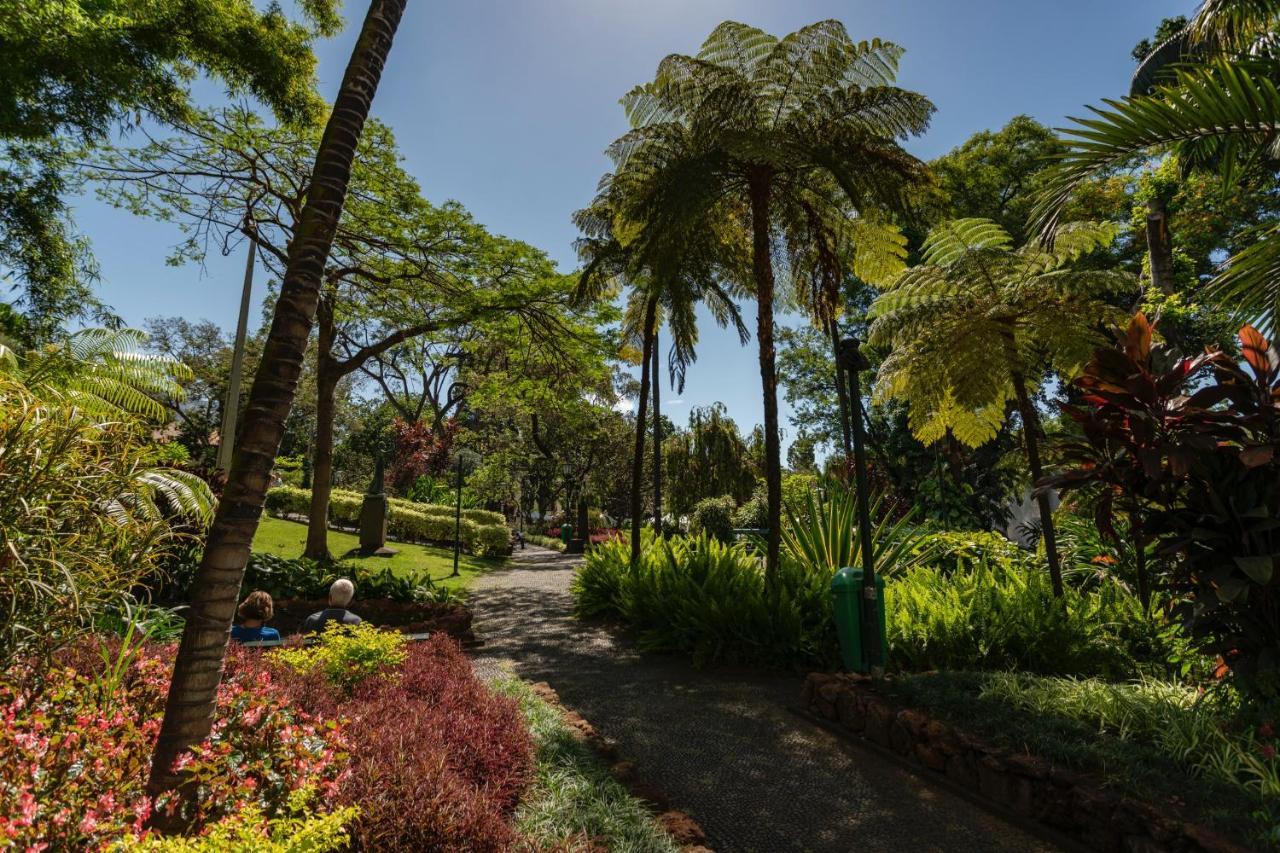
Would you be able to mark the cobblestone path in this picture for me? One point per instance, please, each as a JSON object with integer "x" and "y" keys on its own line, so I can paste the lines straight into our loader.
{"x": 722, "y": 745}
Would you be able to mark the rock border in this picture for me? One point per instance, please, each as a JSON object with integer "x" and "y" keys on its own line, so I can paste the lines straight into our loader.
{"x": 682, "y": 828}
{"x": 1066, "y": 802}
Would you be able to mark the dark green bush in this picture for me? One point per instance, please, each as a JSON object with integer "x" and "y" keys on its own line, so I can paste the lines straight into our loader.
{"x": 713, "y": 516}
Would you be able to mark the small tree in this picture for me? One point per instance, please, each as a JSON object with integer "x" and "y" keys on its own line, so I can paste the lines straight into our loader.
{"x": 975, "y": 326}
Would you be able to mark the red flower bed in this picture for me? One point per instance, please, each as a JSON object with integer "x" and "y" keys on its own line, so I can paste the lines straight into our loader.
{"x": 76, "y": 741}
{"x": 437, "y": 762}
{"x": 433, "y": 760}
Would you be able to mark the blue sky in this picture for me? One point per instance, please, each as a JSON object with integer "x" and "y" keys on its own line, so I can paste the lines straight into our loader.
{"x": 507, "y": 105}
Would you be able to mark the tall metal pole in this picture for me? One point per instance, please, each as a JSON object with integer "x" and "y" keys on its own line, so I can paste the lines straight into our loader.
{"x": 230, "y": 408}
{"x": 457, "y": 522}
{"x": 853, "y": 362}
{"x": 657, "y": 439}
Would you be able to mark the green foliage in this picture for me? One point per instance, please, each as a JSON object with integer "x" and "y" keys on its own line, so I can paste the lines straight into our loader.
{"x": 83, "y": 518}
{"x": 700, "y": 597}
{"x": 1200, "y": 733}
{"x": 541, "y": 541}
{"x": 347, "y": 654}
{"x": 88, "y": 68}
{"x": 482, "y": 532}
{"x": 822, "y": 534}
{"x": 104, "y": 372}
{"x": 301, "y": 829}
{"x": 714, "y": 517}
{"x": 707, "y": 460}
{"x": 573, "y": 796}
{"x": 964, "y": 550}
{"x": 996, "y": 617}
{"x": 978, "y": 316}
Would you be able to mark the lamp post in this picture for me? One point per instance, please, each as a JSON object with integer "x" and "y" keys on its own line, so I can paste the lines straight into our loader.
{"x": 227, "y": 433}
{"x": 465, "y": 460}
{"x": 853, "y": 361}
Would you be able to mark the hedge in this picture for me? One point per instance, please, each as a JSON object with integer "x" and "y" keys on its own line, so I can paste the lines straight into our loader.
{"x": 407, "y": 521}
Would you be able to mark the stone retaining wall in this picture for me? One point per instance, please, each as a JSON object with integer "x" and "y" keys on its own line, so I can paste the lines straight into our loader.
{"x": 1068, "y": 802}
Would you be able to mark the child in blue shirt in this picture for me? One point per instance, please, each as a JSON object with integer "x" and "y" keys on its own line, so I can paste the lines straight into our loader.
{"x": 254, "y": 611}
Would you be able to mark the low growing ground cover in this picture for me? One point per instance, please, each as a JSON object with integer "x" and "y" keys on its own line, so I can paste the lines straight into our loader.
{"x": 574, "y": 802}
{"x": 1156, "y": 740}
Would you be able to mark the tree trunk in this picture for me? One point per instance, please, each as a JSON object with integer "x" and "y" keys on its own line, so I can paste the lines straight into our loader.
{"x": 1160, "y": 246}
{"x": 637, "y": 462}
{"x": 657, "y": 434}
{"x": 1031, "y": 432}
{"x": 833, "y": 326}
{"x": 1140, "y": 559}
{"x": 191, "y": 703}
{"x": 584, "y": 520}
{"x": 759, "y": 183}
{"x": 317, "y": 547}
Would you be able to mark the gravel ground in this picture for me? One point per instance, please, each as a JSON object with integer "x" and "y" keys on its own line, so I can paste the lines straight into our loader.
{"x": 722, "y": 745}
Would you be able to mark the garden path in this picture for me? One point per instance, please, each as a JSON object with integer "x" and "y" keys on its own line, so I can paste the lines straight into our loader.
{"x": 722, "y": 745}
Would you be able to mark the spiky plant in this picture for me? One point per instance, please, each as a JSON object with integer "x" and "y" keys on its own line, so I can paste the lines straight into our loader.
{"x": 103, "y": 372}
{"x": 748, "y": 123}
{"x": 1219, "y": 108}
{"x": 978, "y": 323}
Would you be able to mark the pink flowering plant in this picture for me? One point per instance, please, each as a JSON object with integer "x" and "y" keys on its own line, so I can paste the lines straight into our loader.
{"x": 76, "y": 741}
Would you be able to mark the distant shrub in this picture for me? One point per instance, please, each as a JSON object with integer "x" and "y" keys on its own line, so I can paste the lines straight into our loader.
{"x": 713, "y": 516}
{"x": 482, "y": 532}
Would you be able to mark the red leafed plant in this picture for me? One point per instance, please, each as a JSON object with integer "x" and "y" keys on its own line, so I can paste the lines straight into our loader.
{"x": 436, "y": 760}
{"x": 419, "y": 451}
{"x": 1188, "y": 452}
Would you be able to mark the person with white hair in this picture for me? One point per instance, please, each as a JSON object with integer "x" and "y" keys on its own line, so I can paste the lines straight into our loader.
{"x": 341, "y": 592}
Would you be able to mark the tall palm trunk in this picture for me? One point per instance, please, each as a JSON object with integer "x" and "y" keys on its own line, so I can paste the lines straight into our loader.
{"x": 637, "y": 461}
{"x": 190, "y": 706}
{"x": 1031, "y": 434}
{"x": 1160, "y": 246}
{"x": 759, "y": 185}
{"x": 657, "y": 435}
{"x": 317, "y": 547}
{"x": 833, "y": 327}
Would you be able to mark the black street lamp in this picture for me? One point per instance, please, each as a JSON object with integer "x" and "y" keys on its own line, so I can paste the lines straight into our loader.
{"x": 465, "y": 460}
{"x": 853, "y": 361}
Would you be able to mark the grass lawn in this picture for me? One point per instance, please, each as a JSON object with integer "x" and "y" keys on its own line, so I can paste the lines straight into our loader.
{"x": 287, "y": 538}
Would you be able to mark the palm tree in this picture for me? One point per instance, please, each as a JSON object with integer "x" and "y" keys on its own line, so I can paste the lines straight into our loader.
{"x": 751, "y": 121}
{"x": 1220, "y": 107}
{"x": 977, "y": 324}
{"x": 190, "y": 706}
{"x": 667, "y": 278}
{"x": 103, "y": 372}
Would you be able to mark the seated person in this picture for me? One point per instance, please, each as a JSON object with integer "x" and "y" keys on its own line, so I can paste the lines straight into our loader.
{"x": 340, "y": 595}
{"x": 256, "y": 609}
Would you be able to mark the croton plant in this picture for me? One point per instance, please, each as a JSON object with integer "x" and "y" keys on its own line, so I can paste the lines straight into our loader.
{"x": 1185, "y": 448}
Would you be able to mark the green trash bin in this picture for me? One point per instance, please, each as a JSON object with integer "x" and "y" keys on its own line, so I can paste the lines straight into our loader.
{"x": 566, "y": 532}
{"x": 846, "y": 601}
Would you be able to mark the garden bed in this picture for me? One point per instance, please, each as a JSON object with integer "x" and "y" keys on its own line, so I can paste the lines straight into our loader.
{"x": 408, "y": 617}
{"x": 1070, "y": 788}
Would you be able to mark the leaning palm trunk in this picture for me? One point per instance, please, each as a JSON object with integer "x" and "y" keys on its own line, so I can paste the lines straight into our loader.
{"x": 189, "y": 709}
{"x": 637, "y": 462}
{"x": 759, "y": 185}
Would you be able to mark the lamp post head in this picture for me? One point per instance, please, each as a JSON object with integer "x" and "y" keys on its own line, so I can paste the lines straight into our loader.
{"x": 851, "y": 357}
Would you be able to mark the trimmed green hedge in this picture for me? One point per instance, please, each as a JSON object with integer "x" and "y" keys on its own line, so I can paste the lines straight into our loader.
{"x": 482, "y": 532}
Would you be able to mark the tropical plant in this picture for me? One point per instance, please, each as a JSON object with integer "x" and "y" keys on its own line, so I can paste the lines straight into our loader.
{"x": 104, "y": 372}
{"x": 1213, "y": 101}
{"x": 974, "y": 326}
{"x": 348, "y": 654}
{"x": 191, "y": 705}
{"x": 822, "y": 534}
{"x": 750, "y": 130}
{"x": 84, "y": 518}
